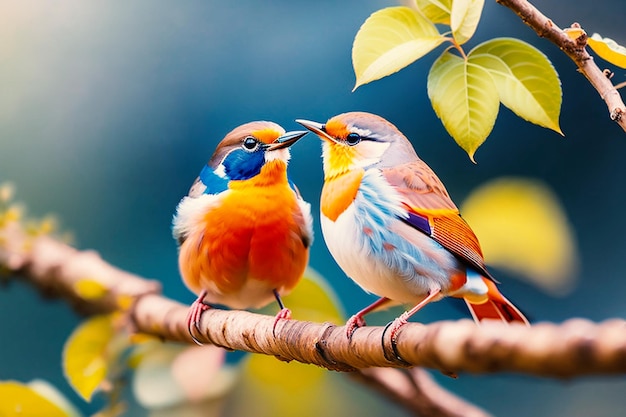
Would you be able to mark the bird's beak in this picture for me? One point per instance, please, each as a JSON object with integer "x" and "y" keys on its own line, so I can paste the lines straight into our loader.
{"x": 316, "y": 128}
{"x": 286, "y": 140}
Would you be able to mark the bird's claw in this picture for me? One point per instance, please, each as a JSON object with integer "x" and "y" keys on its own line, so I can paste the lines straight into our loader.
{"x": 394, "y": 326}
{"x": 193, "y": 317}
{"x": 354, "y": 323}
{"x": 284, "y": 313}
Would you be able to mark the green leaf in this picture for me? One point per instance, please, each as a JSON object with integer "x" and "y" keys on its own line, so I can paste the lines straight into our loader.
{"x": 437, "y": 11}
{"x": 608, "y": 49}
{"x": 465, "y": 98}
{"x": 523, "y": 228}
{"x": 85, "y": 355}
{"x": 526, "y": 81}
{"x": 389, "y": 40}
{"x": 18, "y": 399}
{"x": 464, "y": 19}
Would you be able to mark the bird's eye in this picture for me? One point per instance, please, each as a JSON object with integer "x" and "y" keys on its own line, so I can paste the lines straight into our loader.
{"x": 250, "y": 143}
{"x": 353, "y": 138}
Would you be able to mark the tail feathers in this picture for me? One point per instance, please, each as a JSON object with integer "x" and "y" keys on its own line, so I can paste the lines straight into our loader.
{"x": 496, "y": 310}
{"x": 497, "y": 307}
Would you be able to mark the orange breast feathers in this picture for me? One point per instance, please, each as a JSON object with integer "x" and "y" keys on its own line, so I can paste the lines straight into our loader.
{"x": 339, "y": 192}
{"x": 257, "y": 232}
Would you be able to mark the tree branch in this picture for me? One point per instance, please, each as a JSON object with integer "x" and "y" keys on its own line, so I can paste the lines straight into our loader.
{"x": 59, "y": 270}
{"x": 574, "y": 348}
{"x": 575, "y": 49}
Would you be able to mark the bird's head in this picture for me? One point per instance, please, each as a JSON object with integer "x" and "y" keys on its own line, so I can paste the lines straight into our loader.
{"x": 243, "y": 153}
{"x": 247, "y": 148}
{"x": 359, "y": 140}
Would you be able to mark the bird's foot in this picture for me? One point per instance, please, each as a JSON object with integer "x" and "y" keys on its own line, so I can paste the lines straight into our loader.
{"x": 395, "y": 325}
{"x": 284, "y": 313}
{"x": 354, "y": 323}
{"x": 195, "y": 313}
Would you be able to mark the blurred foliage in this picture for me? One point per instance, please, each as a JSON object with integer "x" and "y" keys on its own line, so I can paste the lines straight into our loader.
{"x": 523, "y": 228}
{"x": 174, "y": 379}
{"x": 313, "y": 300}
{"x": 169, "y": 375}
{"x": 37, "y": 398}
{"x": 86, "y": 355}
{"x": 272, "y": 388}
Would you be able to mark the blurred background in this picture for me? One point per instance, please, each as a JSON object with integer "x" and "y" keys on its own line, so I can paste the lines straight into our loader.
{"x": 108, "y": 111}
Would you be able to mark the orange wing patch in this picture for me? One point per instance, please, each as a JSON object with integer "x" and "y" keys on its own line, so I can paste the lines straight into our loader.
{"x": 339, "y": 192}
{"x": 450, "y": 230}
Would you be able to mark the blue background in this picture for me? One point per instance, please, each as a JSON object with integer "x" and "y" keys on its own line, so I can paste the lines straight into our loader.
{"x": 108, "y": 111}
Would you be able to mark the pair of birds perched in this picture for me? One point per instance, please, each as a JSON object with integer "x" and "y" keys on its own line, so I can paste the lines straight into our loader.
{"x": 244, "y": 231}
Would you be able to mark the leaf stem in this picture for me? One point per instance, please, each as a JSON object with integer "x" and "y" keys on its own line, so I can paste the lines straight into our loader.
{"x": 458, "y": 48}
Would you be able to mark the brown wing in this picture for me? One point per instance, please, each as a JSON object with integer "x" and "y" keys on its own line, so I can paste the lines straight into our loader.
{"x": 431, "y": 211}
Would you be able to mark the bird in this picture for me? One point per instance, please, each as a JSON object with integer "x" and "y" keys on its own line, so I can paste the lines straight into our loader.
{"x": 391, "y": 226}
{"x": 243, "y": 230}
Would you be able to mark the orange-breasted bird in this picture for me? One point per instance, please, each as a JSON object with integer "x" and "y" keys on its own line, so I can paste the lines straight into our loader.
{"x": 391, "y": 226}
{"x": 243, "y": 230}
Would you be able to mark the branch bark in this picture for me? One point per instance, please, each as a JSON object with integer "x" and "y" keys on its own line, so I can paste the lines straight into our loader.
{"x": 575, "y": 49}
{"x": 575, "y": 348}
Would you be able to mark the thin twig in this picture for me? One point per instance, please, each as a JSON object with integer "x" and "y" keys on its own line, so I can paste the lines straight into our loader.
{"x": 416, "y": 390}
{"x": 577, "y": 52}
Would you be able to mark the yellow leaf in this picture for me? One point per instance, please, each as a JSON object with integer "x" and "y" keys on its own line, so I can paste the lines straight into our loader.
{"x": 50, "y": 392}
{"x": 527, "y": 82}
{"x": 465, "y": 98}
{"x": 19, "y": 400}
{"x": 85, "y": 355}
{"x": 284, "y": 384}
{"x": 523, "y": 228}
{"x": 464, "y": 19}
{"x": 125, "y": 301}
{"x": 89, "y": 289}
{"x": 389, "y": 40}
{"x": 437, "y": 11}
{"x": 574, "y": 33}
{"x": 268, "y": 387}
{"x": 608, "y": 49}
{"x": 314, "y": 300}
